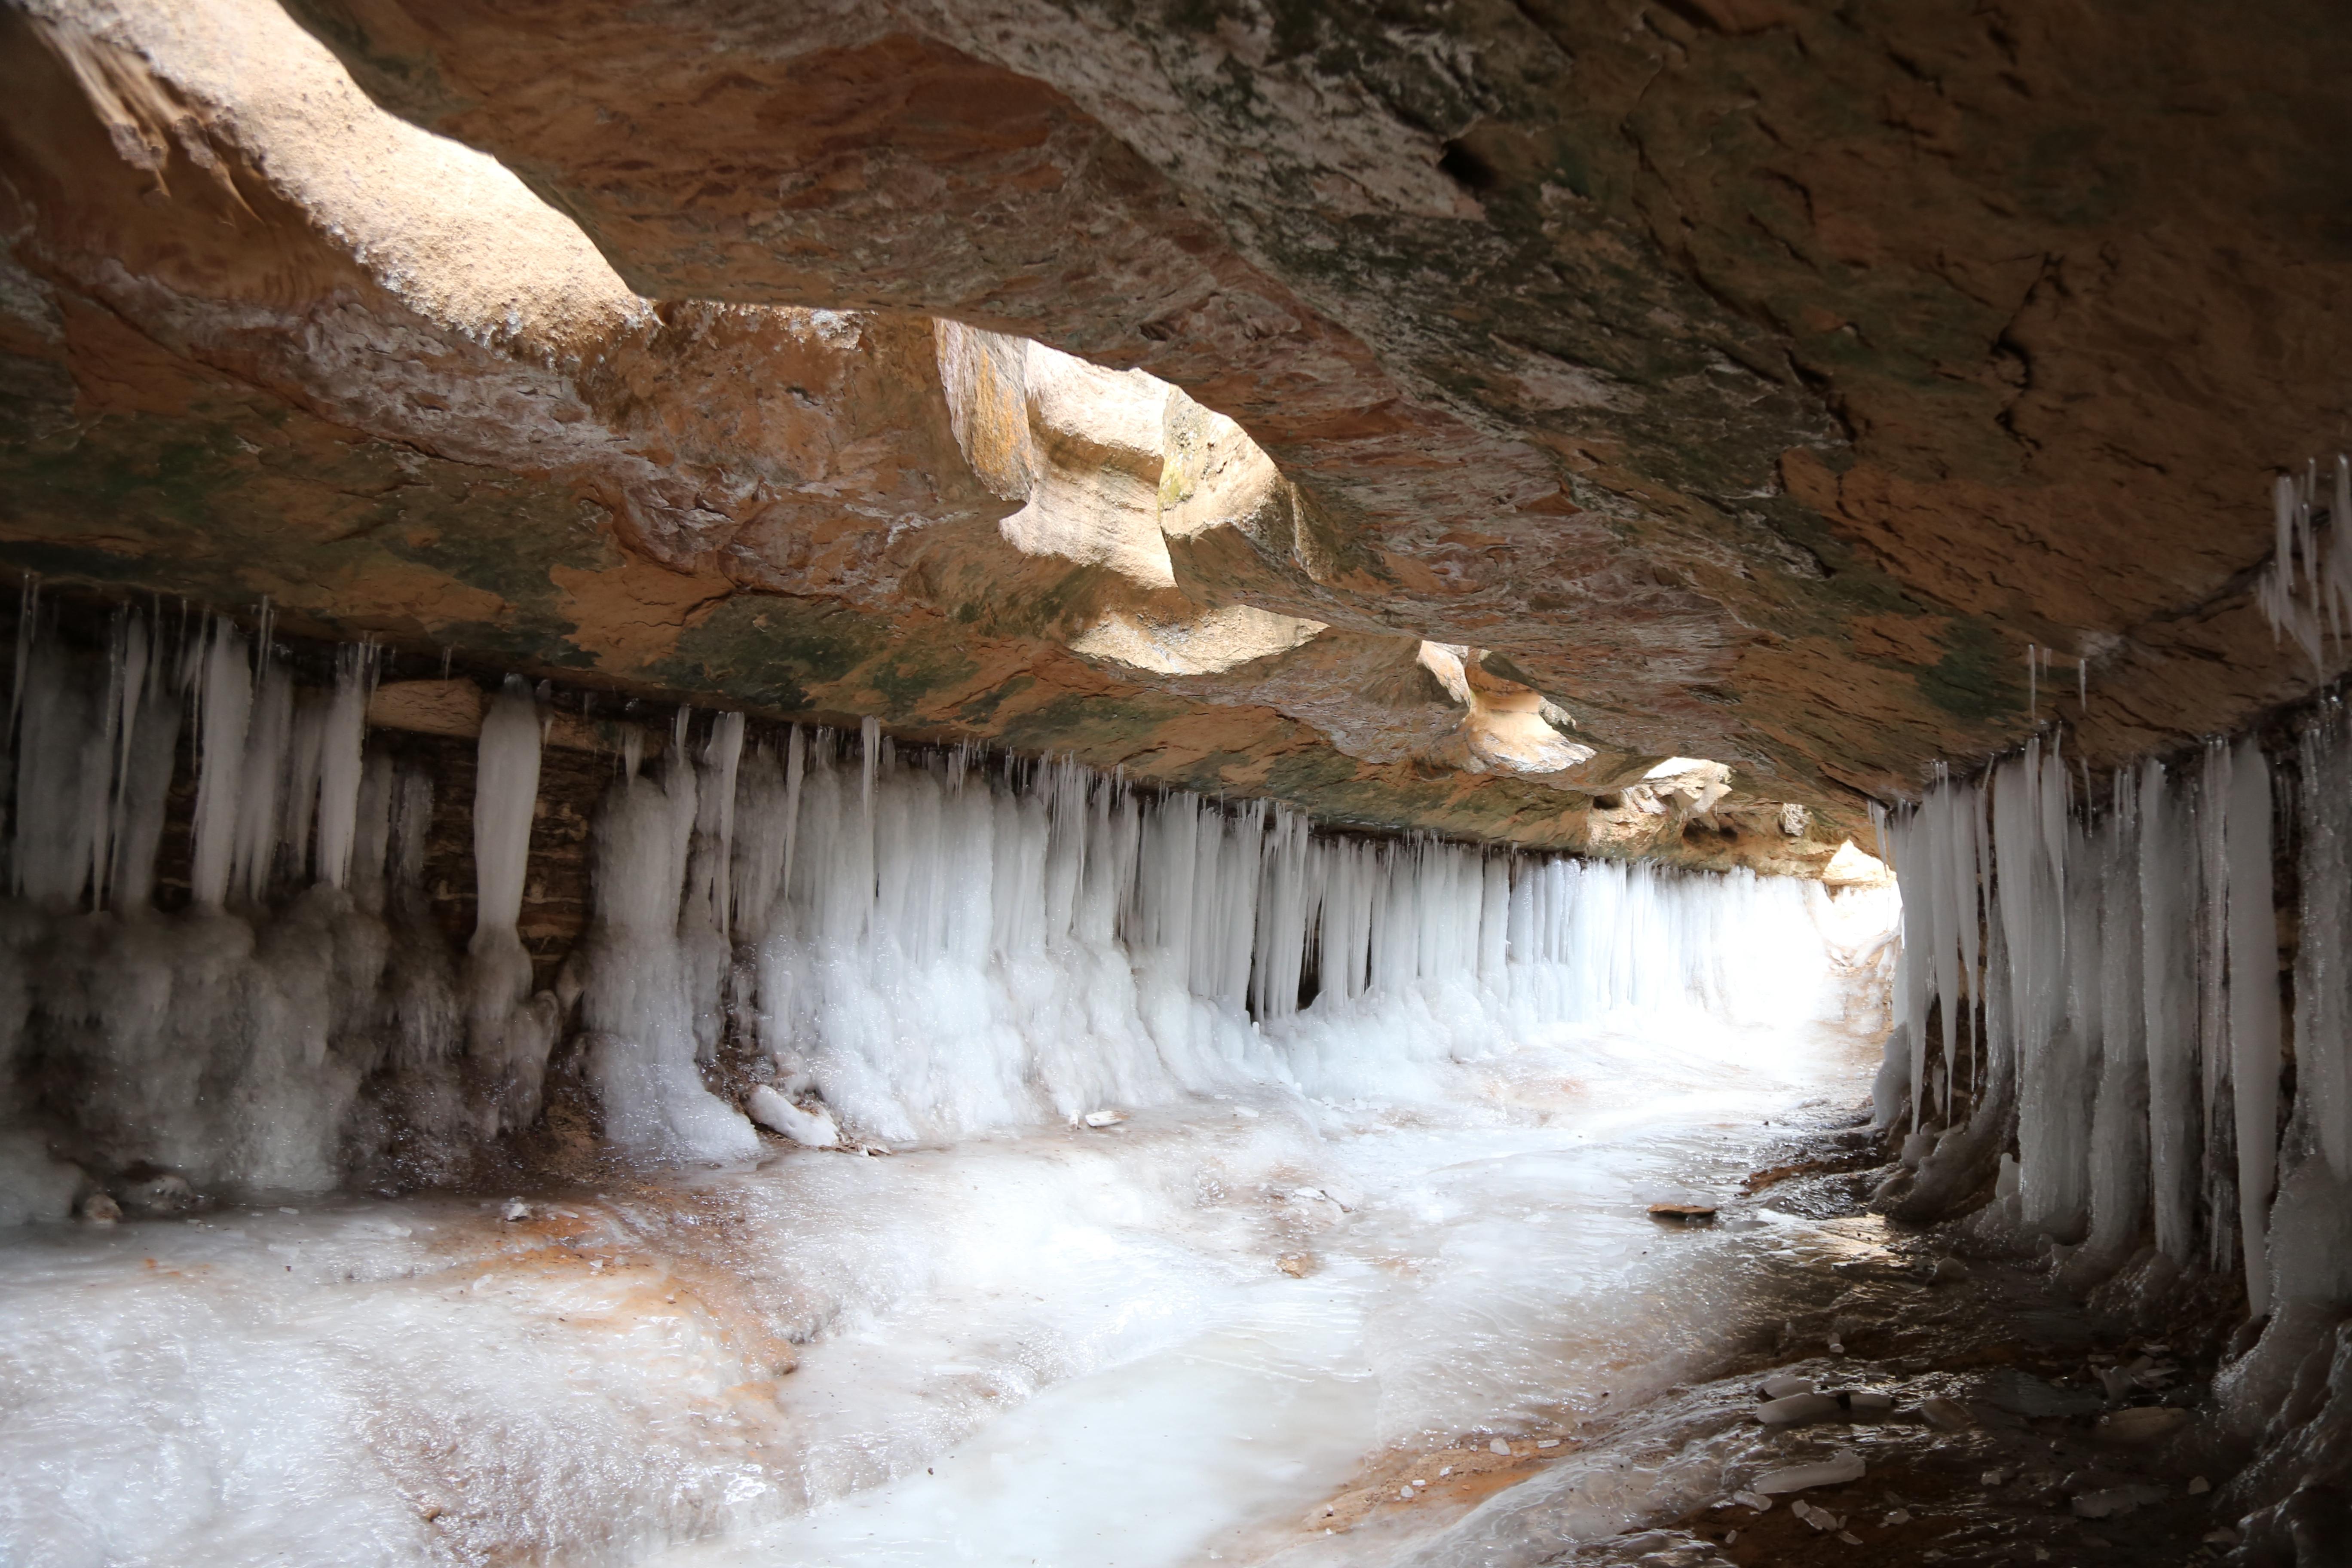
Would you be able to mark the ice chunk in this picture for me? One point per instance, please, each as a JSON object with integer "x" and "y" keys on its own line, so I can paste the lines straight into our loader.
{"x": 1798, "y": 1408}
{"x": 1844, "y": 1465}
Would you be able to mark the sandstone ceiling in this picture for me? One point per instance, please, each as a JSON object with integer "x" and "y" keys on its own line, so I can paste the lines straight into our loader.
{"x": 1472, "y": 405}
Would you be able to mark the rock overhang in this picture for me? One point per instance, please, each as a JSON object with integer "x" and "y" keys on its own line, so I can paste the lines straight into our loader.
{"x": 1431, "y": 339}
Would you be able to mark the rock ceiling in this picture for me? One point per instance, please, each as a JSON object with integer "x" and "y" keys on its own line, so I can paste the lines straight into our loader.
{"x": 1432, "y": 415}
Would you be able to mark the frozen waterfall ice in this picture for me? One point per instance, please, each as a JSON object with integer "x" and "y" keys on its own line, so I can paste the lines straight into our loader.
{"x": 915, "y": 945}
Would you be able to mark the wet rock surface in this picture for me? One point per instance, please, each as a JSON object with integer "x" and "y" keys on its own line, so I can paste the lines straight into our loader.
{"x": 1974, "y": 1412}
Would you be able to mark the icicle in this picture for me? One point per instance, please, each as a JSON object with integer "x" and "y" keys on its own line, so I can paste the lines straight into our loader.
{"x": 28, "y": 616}
{"x": 504, "y": 1030}
{"x": 724, "y": 754}
{"x": 2323, "y": 985}
{"x": 2168, "y": 890}
{"x": 870, "y": 731}
{"x": 2253, "y": 1009}
{"x": 343, "y": 737}
{"x": 268, "y": 741}
{"x": 2217, "y": 1198}
{"x": 224, "y": 707}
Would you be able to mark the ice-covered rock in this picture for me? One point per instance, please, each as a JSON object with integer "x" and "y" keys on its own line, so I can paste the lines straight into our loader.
{"x": 811, "y": 1128}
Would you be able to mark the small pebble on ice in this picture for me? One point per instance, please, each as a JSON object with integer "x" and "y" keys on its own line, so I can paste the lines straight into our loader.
{"x": 99, "y": 1209}
{"x": 1730, "y": 1537}
{"x": 1499, "y": 1447}
{"x": 1849, "y": 1537}
{"x": 1992, "y": 1477}
{"x": 1900, "y": 1516}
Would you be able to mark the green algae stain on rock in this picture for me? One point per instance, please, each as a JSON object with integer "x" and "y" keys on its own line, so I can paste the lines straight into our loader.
{"x": 1975, "y": 681}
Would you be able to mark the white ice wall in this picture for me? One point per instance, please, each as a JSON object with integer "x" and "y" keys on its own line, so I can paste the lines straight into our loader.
{"x": 903, "y": 947}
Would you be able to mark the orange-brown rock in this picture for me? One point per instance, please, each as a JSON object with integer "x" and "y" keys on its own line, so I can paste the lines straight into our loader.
{"x": 1746, "y": 384}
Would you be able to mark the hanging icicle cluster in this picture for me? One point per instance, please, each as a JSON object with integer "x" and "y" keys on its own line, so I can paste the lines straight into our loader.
{"x": 2101, "y": 988}
{"x": 2306, "y": 592}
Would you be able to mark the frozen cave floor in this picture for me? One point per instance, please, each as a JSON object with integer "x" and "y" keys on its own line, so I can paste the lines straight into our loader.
{"x": 1239, "y": 1330}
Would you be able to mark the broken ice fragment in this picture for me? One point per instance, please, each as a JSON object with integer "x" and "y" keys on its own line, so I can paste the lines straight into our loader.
{"x": 515, "y": 1209}
{"x": 1500, "y": 1447}
{"x": 1105, "y": 1118}
{"x": 1780, "y": 1385}
{"x": 1796, "y": 1409}
{"x": 1751, "y": 1500}
{"x": 1845, "y": 1466}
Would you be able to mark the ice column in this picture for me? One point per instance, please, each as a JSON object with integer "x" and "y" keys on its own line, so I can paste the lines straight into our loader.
{"x": 508, "y": 1031}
